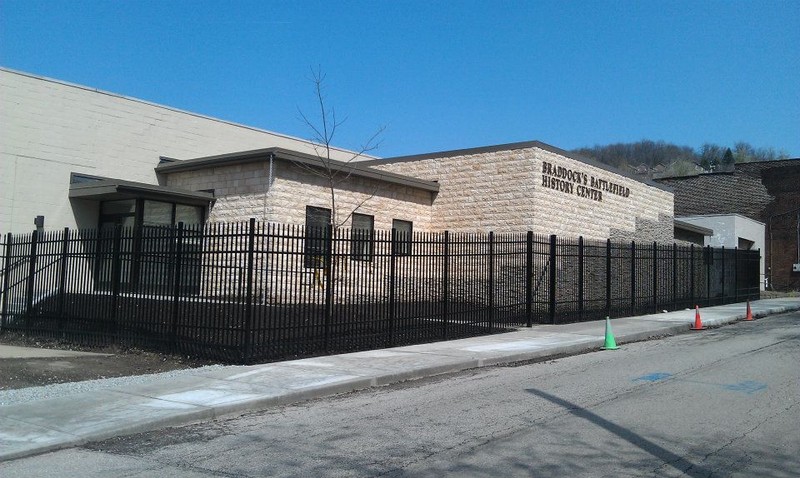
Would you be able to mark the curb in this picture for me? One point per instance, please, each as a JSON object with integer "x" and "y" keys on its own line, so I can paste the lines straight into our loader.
{"x": 372, "y": 381}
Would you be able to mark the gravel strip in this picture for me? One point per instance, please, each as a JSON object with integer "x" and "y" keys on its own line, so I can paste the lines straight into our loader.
{"x": 58, "y": 390}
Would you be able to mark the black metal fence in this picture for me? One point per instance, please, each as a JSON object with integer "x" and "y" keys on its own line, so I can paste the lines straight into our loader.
{"x": 251, "y": 291}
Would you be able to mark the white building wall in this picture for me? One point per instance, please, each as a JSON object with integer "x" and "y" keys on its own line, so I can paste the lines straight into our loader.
{"x": 50, "y": 129}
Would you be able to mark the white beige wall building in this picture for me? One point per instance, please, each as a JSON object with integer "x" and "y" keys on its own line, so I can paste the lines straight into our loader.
{"x": 51, "y": 129}
{"x": 119, "y": 148}
{"x": 534, "y": 186}
{"x": 276, "y": 185}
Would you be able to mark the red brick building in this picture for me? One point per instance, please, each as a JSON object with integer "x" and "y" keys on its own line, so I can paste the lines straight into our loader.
{"x": 767, "y": 191}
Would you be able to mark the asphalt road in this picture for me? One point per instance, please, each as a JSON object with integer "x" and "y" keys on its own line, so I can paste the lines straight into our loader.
{"x": 721, "y": 402}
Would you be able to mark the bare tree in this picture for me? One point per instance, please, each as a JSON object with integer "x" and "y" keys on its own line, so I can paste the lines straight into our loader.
{"x": 334, "y": 172}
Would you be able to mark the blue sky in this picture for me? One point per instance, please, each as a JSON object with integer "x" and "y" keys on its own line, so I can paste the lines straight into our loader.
{"x": 439, "y": 75}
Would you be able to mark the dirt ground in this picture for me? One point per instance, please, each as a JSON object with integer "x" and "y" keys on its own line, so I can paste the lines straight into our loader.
{"x": 32, "y": 372}
{"x": 20, "y": 373}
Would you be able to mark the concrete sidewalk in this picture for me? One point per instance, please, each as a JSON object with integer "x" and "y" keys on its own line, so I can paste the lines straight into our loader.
{"x": 12, "y": 352}
{"x": 39, "y": 426}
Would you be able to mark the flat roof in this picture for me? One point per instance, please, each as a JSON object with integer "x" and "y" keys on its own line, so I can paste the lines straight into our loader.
{"x": 513, "y": 146}
{"x": 732, "y": 214}
{"x": 170, "y": 165}
{"x": 83, "y": 186}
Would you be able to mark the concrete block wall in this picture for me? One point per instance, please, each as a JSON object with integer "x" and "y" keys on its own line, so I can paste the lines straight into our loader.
{"x": 628, "y": 210}
{"x": 479, "y": 192}
{"x": 243, "y": 191}
{"x": 52, "y": 128}
{"x": 506, "y": 191}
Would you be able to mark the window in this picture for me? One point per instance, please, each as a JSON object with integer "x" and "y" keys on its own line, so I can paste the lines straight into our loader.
{"x": 157, "y": 213}
{"x": 361, "y": 237}
{"x": 124, "y": 207}
{"x": 316, "y": 241}
{"x": 145, "y": 212}
{"x": 189, "y": 215}
{"x": 147, "y": 248}
{"x": 402, "y": 243}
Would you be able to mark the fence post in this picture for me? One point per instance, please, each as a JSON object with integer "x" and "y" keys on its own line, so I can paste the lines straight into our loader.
{"x": 529, "y": 280}
{"x": 392, "y": 283}
{"x": 446, "y": 285}
{"x": 722, "y": 282}
{"x": 248, "y": 315}
{"x": 608, "y": 277}
{"x": 31, "y": 279}
{"x": 176, "y": 290}
{"x": 328, "y": 284}
{"x": 709, "y": 258}
{"x": 116, "y": 276}
{"x": 6, "y": 273}
{"x": 580, "y": 278}
{"x": 655, "y": 276}
{"x": 736, "y": 274}
{"x": 754, "y": 266}
{"x": 674, "y": 276}
{"x": 62, "y": 279}
{"x": 491, "y": 281}
{"x": 633, "y": 277}
{"x": 552, "y": 290}
{"x": 691, "y": 275}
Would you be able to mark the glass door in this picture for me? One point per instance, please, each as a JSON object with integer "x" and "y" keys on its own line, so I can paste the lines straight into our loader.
{"x": 114, "y": 214}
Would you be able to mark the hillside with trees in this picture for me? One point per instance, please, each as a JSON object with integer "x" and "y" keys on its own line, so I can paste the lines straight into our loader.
{"x": 659, "y": 159}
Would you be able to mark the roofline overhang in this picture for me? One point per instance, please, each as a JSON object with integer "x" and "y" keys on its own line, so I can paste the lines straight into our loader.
{"x": 734, "y": 215}
{"x": 171, "y": 165}
{"x": 685, "y": 226}
{"x": 513, "y": 146}
{"x": 104, "y": 189}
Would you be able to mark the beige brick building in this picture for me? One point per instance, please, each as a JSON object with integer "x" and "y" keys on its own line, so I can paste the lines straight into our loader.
{"x": 534, "y": 186}
{"x": 506, "y": 188}
{"x": 84, "y": 158}
{"x": 276, "y": 185}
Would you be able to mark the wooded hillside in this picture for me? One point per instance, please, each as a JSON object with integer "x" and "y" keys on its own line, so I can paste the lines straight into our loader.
{"x": 659, "y": 158}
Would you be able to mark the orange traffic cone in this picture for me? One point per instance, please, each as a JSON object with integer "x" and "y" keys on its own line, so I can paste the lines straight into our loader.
{"x": 749, "y": 315}
{"x": 698, "y": 324}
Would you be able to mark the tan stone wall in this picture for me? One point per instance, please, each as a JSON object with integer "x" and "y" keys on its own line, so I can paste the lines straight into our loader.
{"x": 479, "y": 193}
{"x": 242, "y": 192}
{"x": 622, "y": 209}
{"x": 504, "y": 191}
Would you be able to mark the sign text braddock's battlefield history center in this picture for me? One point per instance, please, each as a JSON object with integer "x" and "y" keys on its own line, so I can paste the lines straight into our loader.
{"x": 579, "y": 183}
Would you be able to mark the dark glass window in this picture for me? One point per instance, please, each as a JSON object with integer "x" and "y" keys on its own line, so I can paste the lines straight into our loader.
{"x": 123, "y": 207}
{"x": 402, "y": 242}
{"x": 146, "y": 248}
{"x": 188, "y": 214}
{"x": 361, "y": 237}
{"x": 316, "y": 241}
{"x": 157, "y": 213}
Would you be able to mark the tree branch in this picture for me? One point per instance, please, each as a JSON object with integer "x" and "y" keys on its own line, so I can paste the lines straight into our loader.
{"x": 324, "y": 133}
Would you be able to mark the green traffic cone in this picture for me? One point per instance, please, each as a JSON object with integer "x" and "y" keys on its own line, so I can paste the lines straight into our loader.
{"x": 610, "y": 344}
